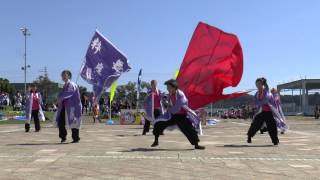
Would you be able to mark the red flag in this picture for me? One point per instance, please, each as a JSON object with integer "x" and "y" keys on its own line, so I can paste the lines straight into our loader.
{"x": 213, "y": 61}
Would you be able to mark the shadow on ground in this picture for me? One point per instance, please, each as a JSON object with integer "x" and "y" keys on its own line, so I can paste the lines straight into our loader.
{"x": 153, "y": 150}
{"x": 36, "y": 144}
{"x": 244, "y": 146}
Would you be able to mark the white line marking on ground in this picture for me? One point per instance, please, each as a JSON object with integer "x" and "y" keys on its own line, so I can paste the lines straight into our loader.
{"x": 300, "y": 166}
{"x": 304, "y": 149}
{"x": 28, "y": 169}
{"x": 43, "y": 158}
{"x": 235, "y": 152}
{"x": 242, "y": 124}
{"x": 201, "y": 158}
{"x": 297, "y": 144}
{"x": 10, "y": 131}
{"x": 47, "y": 151}
{"x": 302, "y": 133}
{"x": 113, "y": 152}
{"x": 46, "y": 159}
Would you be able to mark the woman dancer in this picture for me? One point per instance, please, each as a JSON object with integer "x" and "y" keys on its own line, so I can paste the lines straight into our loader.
{"x": 265, "y": 103}
{"x": 280, "y": 118}
{"x": 153, "y": 101}
{"x": 34, "y": 109}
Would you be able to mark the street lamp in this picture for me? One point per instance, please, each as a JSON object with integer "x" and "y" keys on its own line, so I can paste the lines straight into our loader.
{"x": 25, "y": 31}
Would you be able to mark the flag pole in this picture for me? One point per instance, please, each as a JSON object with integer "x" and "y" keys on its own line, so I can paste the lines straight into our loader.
{"x": 80, "y": 71}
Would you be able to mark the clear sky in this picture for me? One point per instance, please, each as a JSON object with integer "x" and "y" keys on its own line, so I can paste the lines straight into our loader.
{"x": 280, "y": 39}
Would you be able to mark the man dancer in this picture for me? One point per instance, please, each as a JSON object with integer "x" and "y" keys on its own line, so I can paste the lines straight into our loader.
{"x": 153, "y": 101}
{"x": 69, "y": 109}
{"x": 178, "y": 112}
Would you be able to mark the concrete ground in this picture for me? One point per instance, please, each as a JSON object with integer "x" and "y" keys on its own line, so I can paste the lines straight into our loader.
{"x": 120, "y": 152}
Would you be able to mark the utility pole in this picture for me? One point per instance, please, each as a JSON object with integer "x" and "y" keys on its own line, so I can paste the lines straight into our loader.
{"x": 25, "y": 32}
{"x": 44, "y": 71}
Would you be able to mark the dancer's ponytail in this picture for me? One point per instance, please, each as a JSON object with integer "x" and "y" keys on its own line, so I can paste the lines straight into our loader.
{"x": 264, "y": 82}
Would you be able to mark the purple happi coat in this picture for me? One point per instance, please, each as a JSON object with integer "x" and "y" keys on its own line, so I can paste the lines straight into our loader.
{"x": 181, "y": 103}
{"x": 28, "y": 109}
{"x": 70, "y": 99}
{"x": 273, "y": 101}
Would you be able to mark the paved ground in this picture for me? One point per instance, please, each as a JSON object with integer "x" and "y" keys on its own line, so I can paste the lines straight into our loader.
{"x": 120, "y": 152}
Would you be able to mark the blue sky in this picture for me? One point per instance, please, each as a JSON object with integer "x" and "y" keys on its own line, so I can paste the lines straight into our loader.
{"x": 280, "y": 39}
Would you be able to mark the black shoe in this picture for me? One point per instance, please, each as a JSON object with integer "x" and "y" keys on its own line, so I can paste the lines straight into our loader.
{"x": 276, "y": 143}
{"x": 63, "y": 140}
{"x": 27, "y": 127}
{"x": 282, "y": 132}
{"x": 261, "y": 132}
{"x": 199, "y": 147}
{"x": 155, "y": 144}
{"x": 75, "y": 140}
{"x": 144, "y": 133}
{"x": 162, "y": 134}
{"x": 249, "y": 140}
{"x": 37, "y": 131}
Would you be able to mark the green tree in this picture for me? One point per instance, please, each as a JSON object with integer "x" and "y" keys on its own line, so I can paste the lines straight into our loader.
{"x": 128, "y": 93}
{"x": 5, "y": 86}
{"x": 47, "y": 87}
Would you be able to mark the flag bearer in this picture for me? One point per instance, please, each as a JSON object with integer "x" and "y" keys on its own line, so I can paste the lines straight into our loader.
{"x": 69, "y": 109}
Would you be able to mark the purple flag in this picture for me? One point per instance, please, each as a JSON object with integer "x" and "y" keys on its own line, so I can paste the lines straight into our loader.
{"x": 104, "y": 63}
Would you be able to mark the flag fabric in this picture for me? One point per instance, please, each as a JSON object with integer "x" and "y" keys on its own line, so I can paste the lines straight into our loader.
{"x": 104, "y": 64}
{"x": 113, "y": 90}
{"x": 213, "y": 61}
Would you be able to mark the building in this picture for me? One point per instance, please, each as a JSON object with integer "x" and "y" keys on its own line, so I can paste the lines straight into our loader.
{"x": 303, "y": 87}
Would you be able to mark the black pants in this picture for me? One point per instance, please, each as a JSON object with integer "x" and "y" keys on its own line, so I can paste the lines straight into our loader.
{"x": 257, "y": 122}
{"x": 62, "y": 128}
{"x": 146, "y": 127}
{"x": 35, "y": 117}
{"x": 85, "y": 107}
{"x": 184, "y": 125}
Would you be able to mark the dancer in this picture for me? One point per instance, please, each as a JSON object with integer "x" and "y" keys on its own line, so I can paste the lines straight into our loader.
{"x": 154, "y": 101}
{"x": 69, "y": 109}
{"x": 84, "y": 102}
{"x": 178, "y": 112}
{"x": 96, "y": 112}
{"x": 34, "y": 109}
{"x": 265, "y": 104}
{"x": 279, "y": 115}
